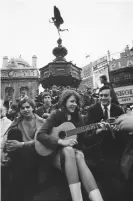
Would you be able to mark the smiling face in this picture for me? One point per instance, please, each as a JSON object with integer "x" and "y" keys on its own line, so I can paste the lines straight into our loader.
{"x": 26, "y": 110}
{"x": 104, "y": 97}
{"x": 71, "y": 104}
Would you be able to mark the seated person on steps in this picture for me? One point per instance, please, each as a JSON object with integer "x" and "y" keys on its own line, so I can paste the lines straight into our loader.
{"x": 65, "y": 157}
{"x": 103, "y": 147}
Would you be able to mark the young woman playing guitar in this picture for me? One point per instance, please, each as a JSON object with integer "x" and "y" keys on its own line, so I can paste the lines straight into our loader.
{"x": 66, "y": 157}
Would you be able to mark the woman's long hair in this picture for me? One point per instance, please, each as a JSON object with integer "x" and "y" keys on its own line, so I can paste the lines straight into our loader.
{"x": 66, "y": 94}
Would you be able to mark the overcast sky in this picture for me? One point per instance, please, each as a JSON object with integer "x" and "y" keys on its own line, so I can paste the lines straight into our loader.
{"x": 95, "y": 26}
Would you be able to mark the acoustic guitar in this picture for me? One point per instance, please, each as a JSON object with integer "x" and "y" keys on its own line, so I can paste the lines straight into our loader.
{"x": 65, "y": 130}
{"x": 68, "y": 130}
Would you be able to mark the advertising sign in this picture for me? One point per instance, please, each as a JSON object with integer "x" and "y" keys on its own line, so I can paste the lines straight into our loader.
{"x": 100, "y": 67}
{"x": 100, "y": 63}
{"x": 87, "y": 71}
{"x": 121, "y": 63}
{"x": 126, "y": 75}
{"x": 124, "y": 94}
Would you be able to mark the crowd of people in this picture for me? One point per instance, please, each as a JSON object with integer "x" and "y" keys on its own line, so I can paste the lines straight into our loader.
{"x": 84, "y": 135}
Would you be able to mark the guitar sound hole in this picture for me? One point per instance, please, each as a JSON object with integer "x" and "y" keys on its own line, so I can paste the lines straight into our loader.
{"x": 62, "y": 134}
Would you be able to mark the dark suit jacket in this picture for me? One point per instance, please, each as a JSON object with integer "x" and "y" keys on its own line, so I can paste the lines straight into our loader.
{"x": 104, "y": 158}
{"x": 103, "y": 145}
{"x": 95, "y": 112}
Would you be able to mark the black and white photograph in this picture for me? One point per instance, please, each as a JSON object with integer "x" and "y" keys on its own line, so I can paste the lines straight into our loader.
{"x": 66, "y": 100}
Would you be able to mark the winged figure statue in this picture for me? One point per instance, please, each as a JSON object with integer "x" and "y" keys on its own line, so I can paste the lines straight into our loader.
{"x": 57, "y": 20}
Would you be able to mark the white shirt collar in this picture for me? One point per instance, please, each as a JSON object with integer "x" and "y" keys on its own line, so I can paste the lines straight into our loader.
{"x": 107, "y": 107}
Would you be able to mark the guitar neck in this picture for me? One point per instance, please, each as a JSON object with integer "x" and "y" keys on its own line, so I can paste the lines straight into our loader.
{"x": 82, "y": 129}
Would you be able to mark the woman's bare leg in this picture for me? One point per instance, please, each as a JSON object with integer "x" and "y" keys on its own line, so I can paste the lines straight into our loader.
{"x": 71, "y": 172}
{"x": 87, "y": 178}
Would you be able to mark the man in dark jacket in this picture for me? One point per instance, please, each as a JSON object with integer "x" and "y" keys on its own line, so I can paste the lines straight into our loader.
{"x": 103, "y": 148}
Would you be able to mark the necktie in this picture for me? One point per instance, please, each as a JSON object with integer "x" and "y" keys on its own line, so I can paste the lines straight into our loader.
{"x": 105, "y": 112}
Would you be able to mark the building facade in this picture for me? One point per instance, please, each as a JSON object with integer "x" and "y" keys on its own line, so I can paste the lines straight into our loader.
{"x": 87, "y": 77}
{"x": 118, "y": 71}
{"x": 92, "y": 72}
{"x": 18, "y": 77}
{"x": 121, "y": 76}
{"x": 100, "y": 67}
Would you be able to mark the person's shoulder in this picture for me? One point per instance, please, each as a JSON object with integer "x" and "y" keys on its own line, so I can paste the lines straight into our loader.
{"x": 117, "y": 107}
{"x": 17, "y": 120}
{"x": 58, "y": 112}
{"x": 94, "y": 106}
{"x": 39, "y": 118}
{"x": 55, "y": 106}
{"x": 82, "y": 118}
{"x": 8, "y": 121}
{"x": 13, "y": 123}
{"x": 40, "y": 108}
{"x": 108, "y": 84}
{"x": 56, "y": 116}
{"x": 55, "y": 112}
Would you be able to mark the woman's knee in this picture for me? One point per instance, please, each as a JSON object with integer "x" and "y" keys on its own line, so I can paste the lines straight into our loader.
{"x": 79, "y": 156}
{"x": 68, "y": 151}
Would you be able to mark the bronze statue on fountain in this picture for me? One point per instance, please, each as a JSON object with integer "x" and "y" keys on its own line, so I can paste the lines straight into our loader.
{"x": 60, "y": 71}
{"x": 57, "y": 20}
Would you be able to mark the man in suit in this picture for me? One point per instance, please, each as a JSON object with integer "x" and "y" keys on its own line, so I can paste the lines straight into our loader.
{"x": 103, "y": 148}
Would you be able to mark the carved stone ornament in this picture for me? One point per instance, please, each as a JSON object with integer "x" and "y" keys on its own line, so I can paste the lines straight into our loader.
{"x": 11, "y": 73}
